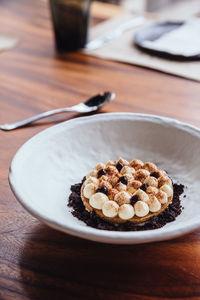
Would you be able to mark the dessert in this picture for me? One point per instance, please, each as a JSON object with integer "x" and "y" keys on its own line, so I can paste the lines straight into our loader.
{"x": 124, "y": 191}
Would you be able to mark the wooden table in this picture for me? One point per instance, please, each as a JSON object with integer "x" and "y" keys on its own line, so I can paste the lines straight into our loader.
{"x": 37, "y": 262}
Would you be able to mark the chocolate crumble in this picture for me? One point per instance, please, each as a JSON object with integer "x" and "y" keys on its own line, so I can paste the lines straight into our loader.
{"x": 134, "y": 199}
{"x": 154, "y": 174}
{"x": 144, "y": 186}
{"x": 91, "y": 219}
{"x": 123, "y": 179}
{"x": 102, "y": 189}
{"x": 119, "y": 166}
{"x": 101, "y": 173}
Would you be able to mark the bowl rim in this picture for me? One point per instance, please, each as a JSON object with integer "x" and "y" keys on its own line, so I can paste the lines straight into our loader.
{"x": 86, "y": 232}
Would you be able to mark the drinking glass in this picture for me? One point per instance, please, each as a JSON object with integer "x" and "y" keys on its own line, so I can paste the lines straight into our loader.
{"x": 70, "y": 23}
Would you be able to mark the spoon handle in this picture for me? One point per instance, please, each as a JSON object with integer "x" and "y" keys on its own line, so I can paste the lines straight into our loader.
{"x": 14, "y": 125}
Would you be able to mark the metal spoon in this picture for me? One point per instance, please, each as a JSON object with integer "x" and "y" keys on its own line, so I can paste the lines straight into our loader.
{"x": 90, "y": 105}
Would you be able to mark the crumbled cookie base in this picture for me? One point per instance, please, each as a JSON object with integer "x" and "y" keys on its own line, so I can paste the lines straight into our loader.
{"x": 91, "y": 219}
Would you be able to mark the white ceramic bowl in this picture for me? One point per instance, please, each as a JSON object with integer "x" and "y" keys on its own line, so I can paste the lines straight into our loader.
{"x": 45, "y": 167}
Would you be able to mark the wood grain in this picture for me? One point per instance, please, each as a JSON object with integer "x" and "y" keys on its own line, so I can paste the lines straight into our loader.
{"x": 37, "y": 262}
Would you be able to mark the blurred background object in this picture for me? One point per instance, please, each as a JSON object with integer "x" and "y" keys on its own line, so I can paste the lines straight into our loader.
{"x": 71, "y": 17}
{"x": 171, "y": 9}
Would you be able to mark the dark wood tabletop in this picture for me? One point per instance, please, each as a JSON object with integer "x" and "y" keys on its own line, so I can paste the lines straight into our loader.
{"x": 37, "y": 262}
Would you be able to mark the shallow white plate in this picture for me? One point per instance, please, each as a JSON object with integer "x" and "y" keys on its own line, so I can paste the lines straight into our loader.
{"x": 45, "y": 167}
